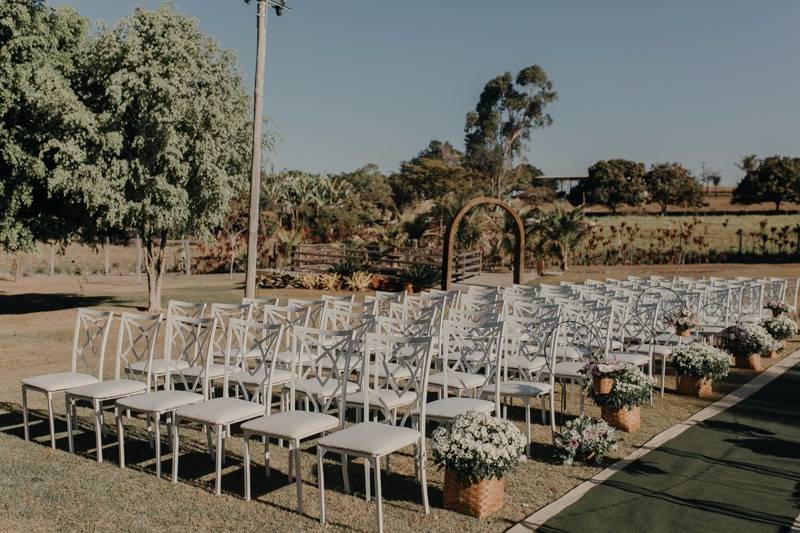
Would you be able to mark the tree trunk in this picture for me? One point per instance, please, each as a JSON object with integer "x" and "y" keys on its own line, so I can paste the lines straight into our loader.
{"x": 154, "y": 265}
{"x": 564, "y": 261}
{"x": 777, "y": 207}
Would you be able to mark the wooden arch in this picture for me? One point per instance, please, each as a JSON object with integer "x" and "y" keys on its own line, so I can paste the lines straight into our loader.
{"x": 452, "y": 229}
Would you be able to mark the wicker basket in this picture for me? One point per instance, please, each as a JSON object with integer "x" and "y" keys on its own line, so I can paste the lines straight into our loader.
{"x": 683, "y": 332}
{"x": 602, "y": 385}
{"x": 627, "y": 420}
{"x": 752, "y": 361}
{"x": 475, "y": 499}
{"x": 692, "y": 386}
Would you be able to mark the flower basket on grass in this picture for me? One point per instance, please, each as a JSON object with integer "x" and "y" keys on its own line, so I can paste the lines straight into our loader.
{"x": 683, "y": 320}
{"x": 748, "y": 343}
{"x": 476, "y": 451}
{"x": 599, "y": 370}
{"x": 779, "y": 308}
{"x": 585, "y": 439}
{"x": 781, "y": 327}
{"x": 698, "y": 365}
{"x": 620, "y": 407}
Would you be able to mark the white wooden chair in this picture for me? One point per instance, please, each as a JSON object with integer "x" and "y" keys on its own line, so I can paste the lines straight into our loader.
{"x": 88, "y": 351}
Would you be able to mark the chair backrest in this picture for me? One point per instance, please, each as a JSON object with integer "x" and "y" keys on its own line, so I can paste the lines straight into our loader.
{"x": 257, "y": 306}
{"x": 250, "y": 357}
{"x": 136, "y": 341}
{"x": 383, "y": 356}
{"x": 715, "y": 307}
{"x": 315, "y": 309}
{"x": 224, "y": 313}
{"x": 639, "y": 326}
{"x": 471, "y": 348}
{"x": 189, "y": 340}
{"x": 190, "y": 309}
{"x": 381, "y": 299}
{"x": 342, "y": 319}
{"x": 401, "y": 327}
{"x": 89, "y": 341}
{"x": 751, "y": 302}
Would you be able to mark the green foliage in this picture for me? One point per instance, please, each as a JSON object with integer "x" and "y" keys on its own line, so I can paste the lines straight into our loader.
{"x": 39, "y": 47}
{"x": 774, "y": 179}
{"x": 420, "y": 276}
{"x": 611, "y": 183}
{"x": 672, "y": 184}
{"x": 499, "y": 128}
{"x": 347, "y": 267}
{"x": 432, "y": 174}
{"x": 370, "y": 190}
{"x": 701, "y": 360}
{"x": 560, "y": 231}
{"x": 631, "y": 388}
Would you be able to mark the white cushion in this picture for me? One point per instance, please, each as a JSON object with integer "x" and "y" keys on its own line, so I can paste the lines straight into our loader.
{"x": 524, "y": 388}
{"x": 569, "y": 369}
{"x": 59, "y": 381}
{"x": 519, "y": 362}
{"x": 658, "y": 349}
{"x": 313, "y": 387}
{"x": 383, "y": 398}
{"x": 397, "y": 371}
{"x": 221, "y": 411}
{"x": 279, "y": 377}
{"x": 103, "y": 390}
{"x": 637, "y": 359}
{"x": 159, "y": 401}
{"x": 371, "y": 438}
{"x": 294, "y": 425}
{"x": 158, "y": 367}
{"x": 215, "y": 371}
{"x": 457, "y": 380}
{"x": 452, "y": 407}
{"x": 671, "y": 338}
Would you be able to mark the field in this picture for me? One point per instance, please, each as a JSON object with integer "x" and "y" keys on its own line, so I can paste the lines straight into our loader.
{"x": 44, "y": 489}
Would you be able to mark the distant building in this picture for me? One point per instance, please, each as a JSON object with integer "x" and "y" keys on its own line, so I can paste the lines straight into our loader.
{"x": 564, "y": 184}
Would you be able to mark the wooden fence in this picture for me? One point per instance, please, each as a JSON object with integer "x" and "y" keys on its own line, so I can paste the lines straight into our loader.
{"x": 320, "y": 257}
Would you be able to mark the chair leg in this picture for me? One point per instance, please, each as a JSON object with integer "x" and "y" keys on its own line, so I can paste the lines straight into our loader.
{"x": 157, "y": 428}
{"x": 25, "y": 412}
{"x": 423, "y": 481}
{"x": 367, "y": 487}
{"x": 663, "y": 375}
{"x": 290, "y": 466}
{"x": 175, "y": 449}
{"x": 207, "y": 430}
{"x": 267, "y": 469}
{"x": 321, "y": 477}
{"x": 120, "y": 436}
{"x": 378, "y": 495}
{"x": 50, "y": 420}
{"x": 98, "y": 431}
{"x": 220, "y": 453}
{"x": 297, "y": 476}
{"x": 528, "y": 425}
{"x": 345, "y": 474}
{"x": 70, "y": 420}
{"x": 246, "y": 439}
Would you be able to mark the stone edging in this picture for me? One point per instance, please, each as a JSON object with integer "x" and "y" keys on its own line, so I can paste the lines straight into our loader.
{"x": 537, "y": 519}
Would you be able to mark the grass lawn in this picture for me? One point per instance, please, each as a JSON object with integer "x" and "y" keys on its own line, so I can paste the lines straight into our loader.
{"x": 44, "y": 489}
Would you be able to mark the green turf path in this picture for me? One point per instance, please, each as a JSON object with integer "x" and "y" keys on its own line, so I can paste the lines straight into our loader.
{"x": 738, "y": 471}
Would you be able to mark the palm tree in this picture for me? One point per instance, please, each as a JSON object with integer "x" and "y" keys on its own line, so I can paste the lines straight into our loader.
{"x": 560, "y": 231}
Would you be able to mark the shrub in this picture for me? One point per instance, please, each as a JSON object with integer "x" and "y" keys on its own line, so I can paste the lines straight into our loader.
{"x": 330, "y": 281}
{"x": 747, "y": 339}
{"x": 683, "y": 319}
{"x": 779, "y": 307}
{"x": 276, "y": 280}
{"x": 309, "y": 280}
{"x": 420, "y": 276}
{"x": 585, "y": 439}
{"x": 477, "y": 446}
{"x": 781, "y": 327}
{"x": 347, "y": 267}
{"x": 631, "y": 388}
{"x": 359, "y": 281}
{"x": 701, "y": 360}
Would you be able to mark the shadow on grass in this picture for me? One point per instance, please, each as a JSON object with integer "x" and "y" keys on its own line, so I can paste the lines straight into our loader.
{"x": 21, "y": 304}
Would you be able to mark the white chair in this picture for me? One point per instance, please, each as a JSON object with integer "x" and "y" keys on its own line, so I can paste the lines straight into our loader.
{"x": 187, "y": 339}
{"x": 257, "y": 305}
{"x": 373, "y": 441}
{"x": 218, "y": 414}
{"x": 88, "y": 350}
{"x": 136, "y": 342}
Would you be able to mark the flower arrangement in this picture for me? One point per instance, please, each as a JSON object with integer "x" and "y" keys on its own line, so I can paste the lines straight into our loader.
{"x": 585, "y": 439}
{"x": 701, "y": 360}
{"x": 683, "y": 319}
{"x": 781, "y": 327}
{"x": 779, "y": 307}
{"x": 631, "y": 388}
{"x": 597, "y": 365}
{"x": 477, "y": 446}
{"x": 747, "y": 339}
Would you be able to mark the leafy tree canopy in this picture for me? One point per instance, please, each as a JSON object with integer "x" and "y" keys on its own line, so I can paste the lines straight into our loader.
{"x": 431, "y": 174}
{"x": 672, "y": 184}
{"x": 775, "y": 179}
{"x": 611, "y": 183}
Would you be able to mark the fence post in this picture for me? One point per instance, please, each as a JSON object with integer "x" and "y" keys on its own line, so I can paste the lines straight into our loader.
{"x": 108, "y": 264}
{"x": 186, "y": 257}
{"x": 138, "y": 259}
{"x": 52, "y": 259}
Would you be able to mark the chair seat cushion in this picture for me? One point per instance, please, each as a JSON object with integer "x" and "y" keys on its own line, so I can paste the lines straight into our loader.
{"x": 221, "y": 411}
{"x": 457, "y": 380}
{"x": 294, "y": 425}
{"x": 452, "y": 407}
{"x": 259, "y": 377}
{"x": 159, "y": 401}
{"x": 371, "y": 438}
{"x": 314, "y": 387}
{"x": 569, "y": 369}
{"x": 157, "y": 366}
{"x": 103, "y": 390}
{"x": 59, "y": 381}
{"x": 637, "y": 359}
{"x": 519, "y": 362}
{"x": 658, "y": 349}
{"x": 397, "y": 371}
{"x": 383, "y": 398}
{"x": 215, "y": 371}
{"x": 524, "y": 389}
{"x": 671, "y": 338}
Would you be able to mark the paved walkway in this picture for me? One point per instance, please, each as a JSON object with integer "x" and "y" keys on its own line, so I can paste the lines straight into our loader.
{"x": 738, "y": 470}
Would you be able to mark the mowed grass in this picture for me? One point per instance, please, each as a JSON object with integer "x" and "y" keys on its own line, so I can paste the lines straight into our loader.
{"x": 45, "y": 490}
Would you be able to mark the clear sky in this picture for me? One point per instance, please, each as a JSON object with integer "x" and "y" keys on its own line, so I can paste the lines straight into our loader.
{"x": 356, "y": 81}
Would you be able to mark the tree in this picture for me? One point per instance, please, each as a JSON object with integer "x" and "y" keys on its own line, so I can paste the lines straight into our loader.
{"x": 38, "y": 49}
{"x": 163, "y": 148}
{"x": 430, "y": 175}
{"x": 611, "y": 184}
{"x": 709, "y": 176}
{"x": 560, "y": 231}
{"x": 672, "y": 184}
{"x": 371, "y": 187}
{"x": 507, "y": 113}
{"x": 775, "y": 179}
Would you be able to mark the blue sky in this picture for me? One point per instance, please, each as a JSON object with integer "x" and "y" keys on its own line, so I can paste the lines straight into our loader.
{"x": 355, "y": 81}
